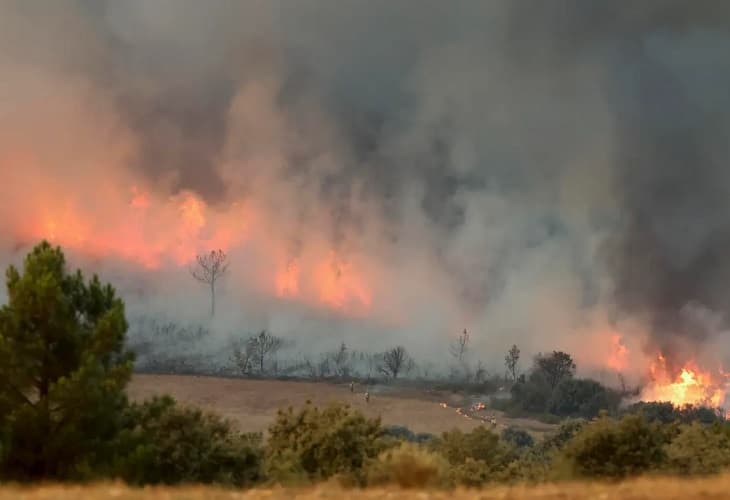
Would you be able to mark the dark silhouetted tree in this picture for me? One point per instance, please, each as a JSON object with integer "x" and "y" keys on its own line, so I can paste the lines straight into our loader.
{"x": 460, "y": 346}
{"x": 511, "y": 361}
{"x": 264, "y": 346}
{"x": 555, "y": 367}
{"x": 394, "y": 361}
{"x": 210, "y": 268}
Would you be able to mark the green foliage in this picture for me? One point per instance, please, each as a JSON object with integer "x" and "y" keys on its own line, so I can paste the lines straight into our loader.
{"x": 517, "y": 437}
{"x": 63, "y": 369}
{"x": 582, "y": 398}
{"x": 321, "y": 443}
{"x": 483, "y": 447}
{"x": 531, "y": 394}
{"x": 539, "y": 463}
{"x": 472, "y": 473}
{"x": 535, "y": 395}
{"x": 164, "y": 443}
{"x": 409, "y": 466}
{"x": 403, "y": 433}
{"x": 562, "y": 436}
{"x": 617, "y": 448}
{"x": 554, "y": 367}
{"x": 699, "y": 449}
{"x": 666, "y": 412}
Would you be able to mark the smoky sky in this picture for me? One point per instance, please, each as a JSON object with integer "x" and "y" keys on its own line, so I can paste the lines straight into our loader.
{"x": 506, "y": 125}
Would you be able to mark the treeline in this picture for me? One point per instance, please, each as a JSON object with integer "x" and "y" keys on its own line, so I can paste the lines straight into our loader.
{"x": 548, "y": 389}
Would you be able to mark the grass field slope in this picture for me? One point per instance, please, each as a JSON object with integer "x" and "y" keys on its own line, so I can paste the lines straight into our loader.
{"x": 253, "y": 404}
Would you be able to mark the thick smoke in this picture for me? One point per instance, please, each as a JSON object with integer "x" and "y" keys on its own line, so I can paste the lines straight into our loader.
{"x": 541, "y": 174}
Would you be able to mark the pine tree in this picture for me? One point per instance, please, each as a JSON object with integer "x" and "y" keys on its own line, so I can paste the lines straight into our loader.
{"x": 63, "y": 370}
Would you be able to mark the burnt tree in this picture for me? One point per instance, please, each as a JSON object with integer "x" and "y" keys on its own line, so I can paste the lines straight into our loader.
{"x": 210, "y": 268}
{"x": 394, "y": 361}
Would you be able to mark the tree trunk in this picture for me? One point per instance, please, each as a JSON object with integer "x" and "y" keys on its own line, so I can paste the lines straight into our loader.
{"x": 212, "y": 299}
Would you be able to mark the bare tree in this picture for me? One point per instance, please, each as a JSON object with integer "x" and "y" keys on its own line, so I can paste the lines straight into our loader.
{"x": 480, "y": 375}
{"x": 243, "y": 355}
{"x": 263, "y": 346}
{"x": 394, "y": 361}
{"x": 341, "y": 361}
{"x": 511, "y": 361}
{"x": 210, "y": 268}
{"x": 459, "y": 346}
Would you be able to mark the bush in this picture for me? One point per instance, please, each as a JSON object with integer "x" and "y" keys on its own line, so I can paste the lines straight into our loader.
{"x": 666, "y": 412}
{"x": 480, "y": 445}
{"x": 317, "y": 444}
{"x": 563, "y": 435}
{"x": 164, "y": 443}
{"x": 409, "y": 466}
{"x": 699, "y": 449}
{"x": 518, "y": 438}
{"x": 531, "y": 394}
{"x": 403, "y": 433}
{"x": 617, "y": 448}
{"x": 472, "y": 473}
{"x": 582, "y": 398}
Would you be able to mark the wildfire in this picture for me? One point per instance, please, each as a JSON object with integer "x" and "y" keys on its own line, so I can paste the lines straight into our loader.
{"x": 619, "y": 353}
{"x": 690, "y": 386}
{"x": 287, "y": 280}
{"x": 339, "y": 285}
{"x": 152, "y": 231}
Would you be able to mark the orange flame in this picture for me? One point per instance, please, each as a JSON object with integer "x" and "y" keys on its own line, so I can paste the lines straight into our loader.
{"x": 339, "y": 285}
{"x": 690, "y": 386}
{"x": 618, "y": 356}
{"x": 287, "y": 280}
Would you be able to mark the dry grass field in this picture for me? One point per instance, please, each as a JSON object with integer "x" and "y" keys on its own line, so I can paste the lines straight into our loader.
{"x": 638, "y": 489}
{"x": 252, "y": 404}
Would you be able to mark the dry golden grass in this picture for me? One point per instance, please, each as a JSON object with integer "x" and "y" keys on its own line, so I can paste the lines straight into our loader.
{"x": 637, "y": 489}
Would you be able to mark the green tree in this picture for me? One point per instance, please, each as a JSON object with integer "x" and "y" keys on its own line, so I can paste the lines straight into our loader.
{"x": 63, "y": 369}
{"x": 555, "y": 367}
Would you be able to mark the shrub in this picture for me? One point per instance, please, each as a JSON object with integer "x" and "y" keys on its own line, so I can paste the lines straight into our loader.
{"x": 472, "y": 473}
{"x": 321, "y": 443}
{"x": 616, "y": 448}
{"x": 403, "y": 433}
{"x": 563, "y": 435}
{"x": 518, "y": 438}
{"x": 170, "y": 444}
{"x": 409, "y": 466}
{"x": 479, "y": 445}
{"x": 582, "y": 398}
{"x": 531, "y": 394}
{"x": 699, "y": 449}
{"x": 666, "y": 412}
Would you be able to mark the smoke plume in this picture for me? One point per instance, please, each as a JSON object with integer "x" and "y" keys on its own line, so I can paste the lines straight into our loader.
{"x": 384, "y": 172}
